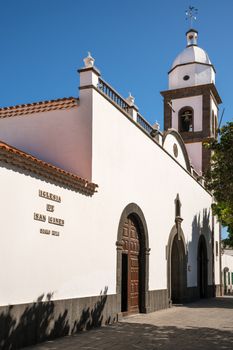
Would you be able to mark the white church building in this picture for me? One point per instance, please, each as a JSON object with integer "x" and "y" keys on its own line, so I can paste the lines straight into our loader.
{"x": 102, "y": 214}
{"x": 227, "y": 271}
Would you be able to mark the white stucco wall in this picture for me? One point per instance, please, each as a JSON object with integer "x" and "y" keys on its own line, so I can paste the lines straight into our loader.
{"x": 128, "y": 167}
{"x": 168, "y": 145}
{"x": 61, "y": 137}
{"x": 227, "y": 261}
{"x": 155, "y": 180}
{"x": 195, "y": 155}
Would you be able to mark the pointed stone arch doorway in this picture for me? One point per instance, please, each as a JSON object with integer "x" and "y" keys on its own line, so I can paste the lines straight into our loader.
{"x": 202, "y": 268}
{"x": 132, "y": 261}
{"x": 176, "y": 266}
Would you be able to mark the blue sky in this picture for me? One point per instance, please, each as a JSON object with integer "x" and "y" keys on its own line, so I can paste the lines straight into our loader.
{"x": 134, "y": 43}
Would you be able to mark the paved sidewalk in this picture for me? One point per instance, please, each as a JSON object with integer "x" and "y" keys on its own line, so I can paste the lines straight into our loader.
{"x": 207, "y": 324}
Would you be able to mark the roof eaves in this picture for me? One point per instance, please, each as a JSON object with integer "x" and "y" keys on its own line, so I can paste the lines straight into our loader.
{"x": 25, "y": 161}
{"x": 38, "y": 107}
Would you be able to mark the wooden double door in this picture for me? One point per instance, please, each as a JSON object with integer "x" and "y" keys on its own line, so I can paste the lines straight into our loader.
{"x": 130, "y": 283}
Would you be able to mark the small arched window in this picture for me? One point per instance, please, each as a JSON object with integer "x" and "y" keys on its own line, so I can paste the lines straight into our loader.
{"x": 186, "y": 119}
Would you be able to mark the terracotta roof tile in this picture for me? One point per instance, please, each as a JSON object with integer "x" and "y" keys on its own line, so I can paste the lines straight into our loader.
{"x": 37, "y": 107}
{"x": 25, "y": 161}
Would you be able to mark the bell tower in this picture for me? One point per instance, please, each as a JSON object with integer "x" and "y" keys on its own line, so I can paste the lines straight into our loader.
{"x": 191, "y": 101}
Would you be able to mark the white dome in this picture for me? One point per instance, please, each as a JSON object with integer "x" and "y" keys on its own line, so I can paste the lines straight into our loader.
{"x": 192, "y": 66}
{"x": 191, "y": 54}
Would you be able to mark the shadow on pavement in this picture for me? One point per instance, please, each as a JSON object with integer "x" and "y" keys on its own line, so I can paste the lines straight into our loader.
{"x": 133, "y": 336}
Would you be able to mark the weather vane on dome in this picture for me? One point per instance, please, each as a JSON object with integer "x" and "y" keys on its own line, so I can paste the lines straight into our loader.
{"x": 191, "y": 14}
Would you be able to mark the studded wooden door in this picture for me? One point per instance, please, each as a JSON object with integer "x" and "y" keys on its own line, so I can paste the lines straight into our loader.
{"x": 131, "y": 249}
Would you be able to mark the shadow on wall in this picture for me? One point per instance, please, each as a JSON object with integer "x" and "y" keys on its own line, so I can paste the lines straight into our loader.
{"x": 38, "y": 322}
{"x": 200, "y": 226}
{"x": 91, "y": 318}
{"x": 201, "y": 265}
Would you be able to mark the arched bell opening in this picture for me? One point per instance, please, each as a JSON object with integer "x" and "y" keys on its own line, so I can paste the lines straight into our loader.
{"x": 186, "y": 119}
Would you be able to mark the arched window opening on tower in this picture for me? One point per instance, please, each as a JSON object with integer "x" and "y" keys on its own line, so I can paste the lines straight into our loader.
{"x": 216, "y": 126}
{"x": 186, "y": 119}
{"x": 213, "y": 123}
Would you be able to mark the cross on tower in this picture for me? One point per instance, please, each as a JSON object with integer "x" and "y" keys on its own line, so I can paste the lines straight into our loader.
{"x": 191, "y": 14}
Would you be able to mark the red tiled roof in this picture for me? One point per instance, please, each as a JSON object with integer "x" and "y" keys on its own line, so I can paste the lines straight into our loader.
{"x": 25, "y": 161}
{"x": 37, "y": 107}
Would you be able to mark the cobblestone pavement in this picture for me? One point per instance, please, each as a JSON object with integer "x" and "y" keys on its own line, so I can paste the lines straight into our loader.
{"x": 207, "y": 324}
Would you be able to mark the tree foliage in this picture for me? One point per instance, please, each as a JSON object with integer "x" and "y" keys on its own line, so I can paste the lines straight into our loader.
{"x": 219, "y": 178}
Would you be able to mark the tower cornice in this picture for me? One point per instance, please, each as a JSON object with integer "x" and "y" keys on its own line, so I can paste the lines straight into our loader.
{"x": 194, "y": 62}
{"x": 192, "y": 91}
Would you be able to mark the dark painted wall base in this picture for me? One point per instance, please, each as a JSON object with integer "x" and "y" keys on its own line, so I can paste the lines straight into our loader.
{"x": 157, "y": 300}
{"x": 218, "y": 290}
{"x": 211, "y": 291}
{"x": 192, "y": 293}
{"x": 28, "y": 324}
